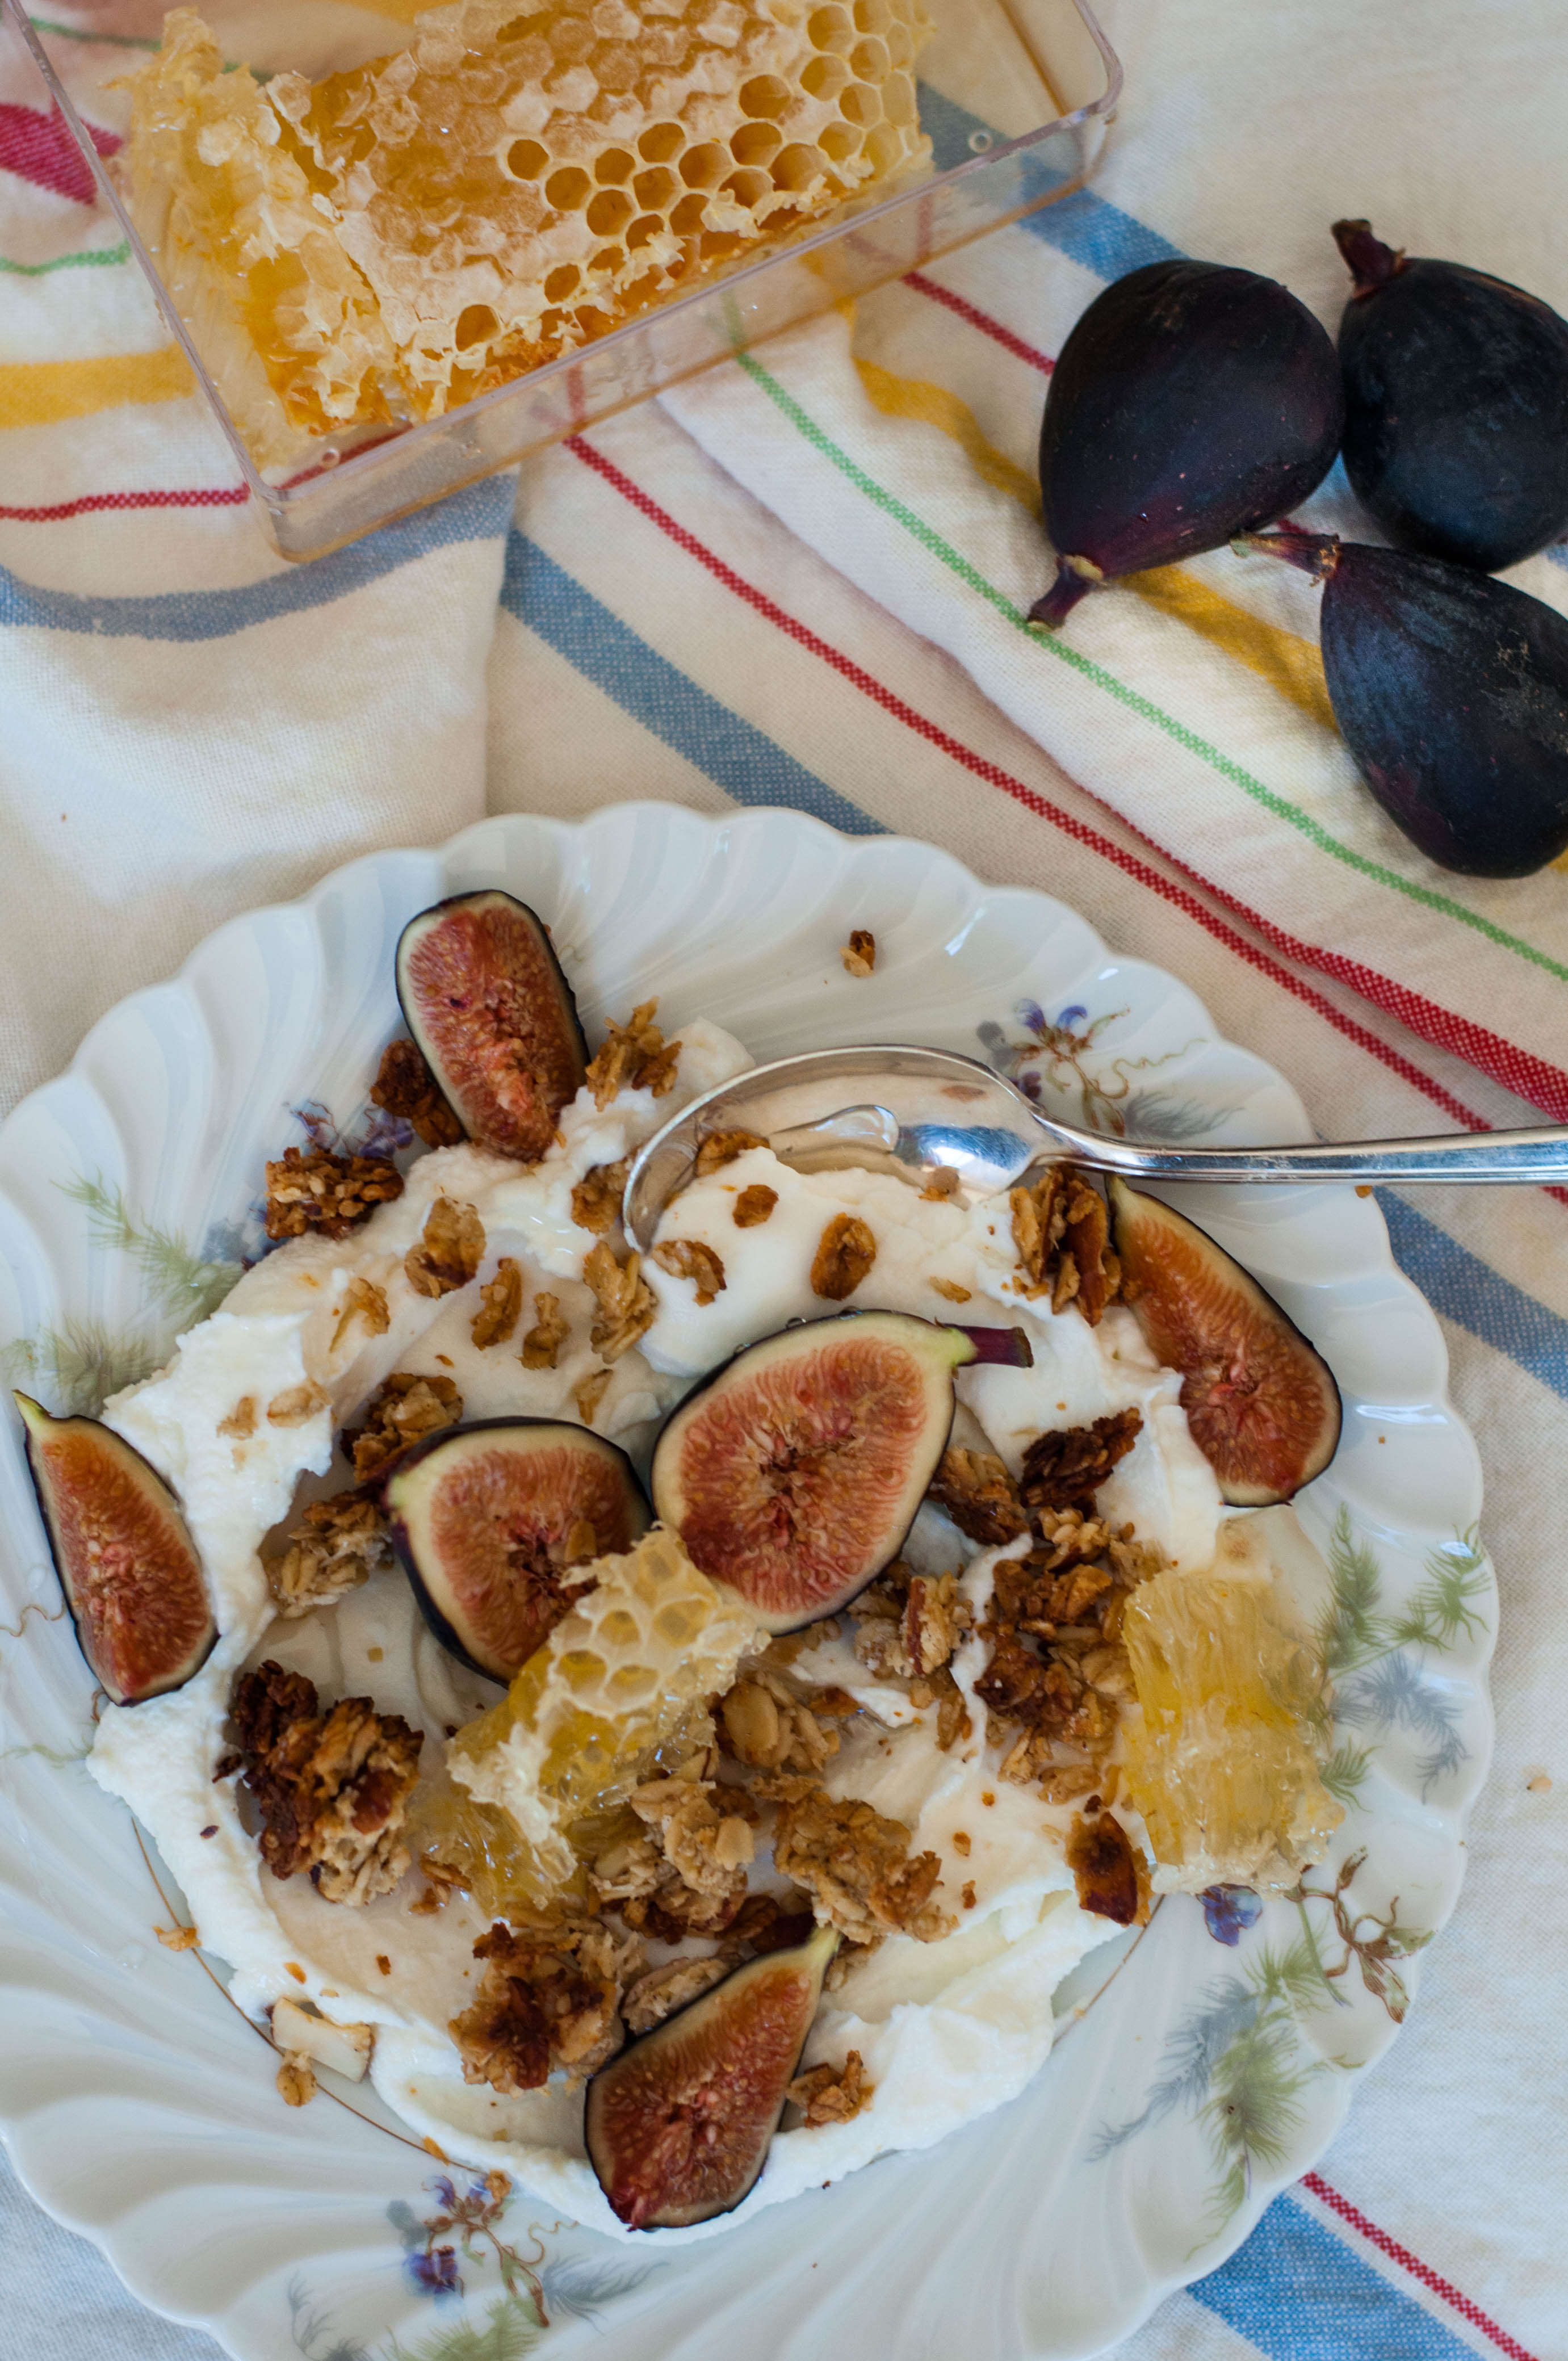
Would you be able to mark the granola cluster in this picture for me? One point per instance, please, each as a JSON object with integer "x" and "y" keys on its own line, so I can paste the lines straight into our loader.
{"x": 403, "y": 1410}
{"x": 832, "y": 2094}
{"x": 721, "y": 1148}
{"x": 336, "y": 1545}
{"x": 1061, "y": 1232}
{"x": 845, "y": 1253}
{"x": 450, "y": 1251}
{"x": 855, "y": 1864}
{"x": 549, "y": 1998}
{"x": 626, "y": 1301}
{"x": 500, "y": 1306}
{"x": 405, "y": 1086}
{"x": 635, "y": 1057}
{"x": 311, "y": 1188}
{"x": 596, "y": 1199}
{"x": 769, "y": 1725}
{"x": 332, "y": 1789}
{"x": 689, "y": 1259}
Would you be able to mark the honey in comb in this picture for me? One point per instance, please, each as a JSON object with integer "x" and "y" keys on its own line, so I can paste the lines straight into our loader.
{"x": 517, "y": 181}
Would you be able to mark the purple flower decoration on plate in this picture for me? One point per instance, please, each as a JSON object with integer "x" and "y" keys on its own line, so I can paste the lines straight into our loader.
{"x": 1229, "y": 1910}
{"x": 1071, "y": 1017}
{"x": 435, "y": 2273}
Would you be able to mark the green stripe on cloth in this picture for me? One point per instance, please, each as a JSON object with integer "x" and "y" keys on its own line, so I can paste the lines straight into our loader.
{"x": 1147, "y": 710}
{"x": 93, "y": 259}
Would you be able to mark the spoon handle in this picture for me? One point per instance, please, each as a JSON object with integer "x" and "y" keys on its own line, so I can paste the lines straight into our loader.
{"x": 1495, "y": 1156}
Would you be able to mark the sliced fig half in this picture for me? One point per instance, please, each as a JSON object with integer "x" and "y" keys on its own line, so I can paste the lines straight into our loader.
{"x": 127, "y": 1565}
{"x": 679, "y": 2124}
{"x": 486, "y": 1519}
{"x": 793, "y": 1472}
{"x": 486, "y": 999}
{"x": 1261, "y": 1401}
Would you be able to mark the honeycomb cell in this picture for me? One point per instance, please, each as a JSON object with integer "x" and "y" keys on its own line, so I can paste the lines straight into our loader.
{"x": 566, "y": 188}
{"x": 839, "y": 141}
{"x": 705, "y": 167}
{"x": 884, "y": 148}
{"x": 765, "y": 96}
{"x": 898, "y": 99}
{"x": 749, "y": 188}
{"x": 562, "y": 284}
{"x": 870, "y": 60}
{"x": 571, "y": 40}
{"x": 824, "y": 78}
{"x": 477, "y": 325}
{"x": 686, "y": 219}
{"x": 873, "y": 16}
{"x": 526, "y": 160}
{"x": 655, "y": 190}
{"x": 617, "y": 67}
{"x": 614, "y": 167}
{"x": 610, "y": 258}
{"x": 646, "y": 226}
{"x": 831, "y": 28}
{"x": 859, "y": 103}
{"x": 900, "y": 43}
{"x": 610, "y": 213}
{"x": 661, "y": 143}
{"x": 797, "y": 168}
{"x": 756, "y": 143}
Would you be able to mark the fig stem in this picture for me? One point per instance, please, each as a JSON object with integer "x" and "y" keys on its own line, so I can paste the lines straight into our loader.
{"x": 1316, "y": 554}
{"x": 1075, "y": 577}
{"x": 1007, "y": 1348}
{"x": 1372, "y": 264}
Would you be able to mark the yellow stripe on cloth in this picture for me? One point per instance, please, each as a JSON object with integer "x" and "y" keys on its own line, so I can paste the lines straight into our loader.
{"x": 41, "y": 393}
{"x": 1290, "y": 664}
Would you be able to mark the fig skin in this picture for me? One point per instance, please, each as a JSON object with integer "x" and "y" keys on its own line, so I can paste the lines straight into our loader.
{"x": 130, "y": 1572}
{"x": 1451, "y": 692}
{"x": 526, "y": 1599}
{"x": 1190, "y": 402}
{"x": 679, "y": 2123}
{"x": 826, "y": 1437}
{"x": 1260, "y": 1400}
{"x": 490, "y": 1009}
{"x": 1457, "y": 406}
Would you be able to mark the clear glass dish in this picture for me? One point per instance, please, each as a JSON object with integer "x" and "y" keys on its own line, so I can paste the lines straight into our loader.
{"x": 1015, "y": 94}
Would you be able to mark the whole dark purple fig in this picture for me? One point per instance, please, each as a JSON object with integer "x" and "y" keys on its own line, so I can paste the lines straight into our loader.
{"x": 1190, "y": 402}
{"x": 1451, "y": 691}
{"x": 1457, "y": 406}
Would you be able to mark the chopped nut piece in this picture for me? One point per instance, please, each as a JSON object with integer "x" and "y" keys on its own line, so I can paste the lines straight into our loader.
{"x": 321, "y": 2041}
{"x": 450, "y": 1251}
{"x": 626, "y": 1872}
{"x": 689, "y": 1259}
{"x": 979, "y": 1496}
{"x": 549, "y": 1997}
{"x": 855, "y": 1865}
{"x": 241, "y": 1421}
{"x": 753, "y": 1206}
{"x": 1068, "y": 1782}
{"x": 1065, "y": 1467}
{"x": 636, "y": 1056}
{"x": 1060, "y": 1229}
{"x": 721, "y": 1148}
{"x": 767, "y": 1726}
{"x": 934, "y": 1618}
{"x": 500, "y": 1304}
{"x": 962, "y": 1843}
{"x": 332, "y": 1789}
{"x": 707, "y": 1848}
{"x": 338, "y": 1544}
{"x": 1104, "y": 1871}
{"x": 591, "y": 1393}
{"x": 403, "y": 1410}
{"x": 296, "y": 1405}
{"x": 967, "y": 1895}
{"x": 950, "y": 1290}
{"x": 405, "y": 1086}
{"x": 549, "y": 1333}
{"x": 859, "y": 954}
{"x": 832, "y": 2094}
{"x": 362, "y": 1300}
{"x": 596, "y": 1200}
{"x": 658, "y": 1995}
{"x": 178, "y": 1938}
{"x": 845, "y": 1253}
{"x": 296, "y": 2081}
{"x": 318, "y": 1190}
{"x": 627, "y": 1303}
{"x": 952, "y": 1714}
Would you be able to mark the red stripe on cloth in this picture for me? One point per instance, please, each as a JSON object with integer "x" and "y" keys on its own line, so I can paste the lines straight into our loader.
{"x": 995, "y": 776}
{"x": 211, "y": 496}
{"x": 39, "y": 148}
{"x": 1518, "y": 1070}
{"x": 980, "y": 320}
{"x": 1417, "y": 2268}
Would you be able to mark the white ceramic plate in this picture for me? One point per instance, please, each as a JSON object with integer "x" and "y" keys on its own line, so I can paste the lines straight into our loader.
{"x": 1212, "y": 2069}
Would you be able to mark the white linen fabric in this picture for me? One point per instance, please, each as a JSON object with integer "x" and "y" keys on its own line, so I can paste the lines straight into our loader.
{"x": 795, "y": 580}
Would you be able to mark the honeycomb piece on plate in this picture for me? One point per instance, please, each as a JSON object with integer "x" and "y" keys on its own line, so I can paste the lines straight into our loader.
{"x": 617, "y": 1695}
{"x": 1223, "y": 1759}
{"x": 523, "y": 177}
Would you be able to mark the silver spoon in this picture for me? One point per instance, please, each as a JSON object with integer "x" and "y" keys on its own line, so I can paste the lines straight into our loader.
{"x": 921, "y": 1112}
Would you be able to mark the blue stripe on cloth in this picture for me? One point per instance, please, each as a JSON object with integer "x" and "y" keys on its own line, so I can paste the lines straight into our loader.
{"x": 477, "y": 513}
{"x": 1299, "y": 2293}
{"x": 735, "y": 755}
{"x": 1088, "y": 230}
{"x": 1471, "y": 1293}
